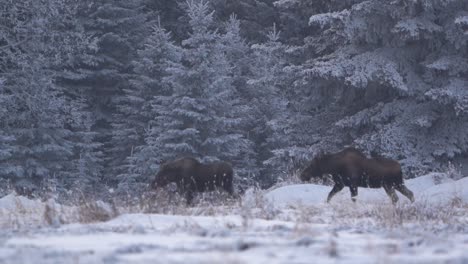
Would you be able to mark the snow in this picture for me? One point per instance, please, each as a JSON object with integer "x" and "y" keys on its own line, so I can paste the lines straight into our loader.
{"x": 21, "y": 211}
{"x": 163, "y": 222}
{"x": 462, "y": 20}
{"x": 12, "y": 202}
{"x": 425, "y": 182}
{"x": 447, "y": 192}
{"x": 435, "y": 187}
{"x": 214, "y": 239}
{"x": 300, "y": 193}
{"x": 290, "y": 224}
{"x": 325, "y": 19}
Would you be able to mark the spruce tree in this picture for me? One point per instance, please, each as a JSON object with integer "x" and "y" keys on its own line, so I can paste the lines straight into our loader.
{"x": 203, "y": 115}
{"x": 35, "y": 119}
{"x": 136, "y": 108}
{"x": 268, "y": 88}
{"x": 118, "y": 29}
{"x": 397, "y": 68}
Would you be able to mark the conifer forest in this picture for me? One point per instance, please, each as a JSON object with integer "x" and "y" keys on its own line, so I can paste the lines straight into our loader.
{"x": 95, "y": 95}
{"x": 233, "y": 131}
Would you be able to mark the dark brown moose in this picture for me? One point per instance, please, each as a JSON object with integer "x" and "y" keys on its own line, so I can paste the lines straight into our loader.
{"x": 192, "y": 176}
{"x": 351, "y": 168}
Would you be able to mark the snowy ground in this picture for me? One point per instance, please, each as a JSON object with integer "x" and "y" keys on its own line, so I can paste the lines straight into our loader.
{"x": 291, "y": 224}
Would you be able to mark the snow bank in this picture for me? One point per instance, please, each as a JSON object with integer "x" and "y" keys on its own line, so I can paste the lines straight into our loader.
{"x": 20, "y": 212}
{"x": 13, "y": 202}
{"x": 17, "y": 211}
{"x": 214, "y": 239}
{"x": 324, "y": 234}
{"x": 447, "y": 192}
{"x": 425, "y": 182}
{"x": 434, "y": 187}
{"x": 164, "y": 222}
{"x": 299, "y": 193}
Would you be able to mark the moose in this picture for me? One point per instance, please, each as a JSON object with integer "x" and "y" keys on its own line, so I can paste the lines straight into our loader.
{"x": 351, "y": 168}
{"x": 191, "y": 176}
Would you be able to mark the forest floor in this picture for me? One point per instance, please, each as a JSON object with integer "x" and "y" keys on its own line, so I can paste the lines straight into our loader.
{"x": 288, "y": 224}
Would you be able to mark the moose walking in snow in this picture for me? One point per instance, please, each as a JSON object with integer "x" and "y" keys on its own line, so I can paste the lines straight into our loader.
{"x": 353, "y": 169}
{"x": 192, "y": 176}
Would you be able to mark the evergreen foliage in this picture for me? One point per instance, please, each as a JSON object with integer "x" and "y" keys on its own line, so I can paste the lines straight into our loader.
{"x": 138, "y": 107}
{"x": 98, "y": 93}
{"x": 202, "y": 115}
{"x": 42, "y": 125}
{"x": 397, "y": 67}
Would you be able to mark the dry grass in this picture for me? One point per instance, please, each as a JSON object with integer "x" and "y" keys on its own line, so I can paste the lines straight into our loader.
{"x": 421, "y": 214}
{"x": 21, "y": 216}
{"x": 161, "y": 202}
{"x": 251, "y": 205}
{"x": 26, "y": 213}
{"x": 91, "y": 211}
{"x": 289, "y": 179}
{"x": 254, "y": 205}
{"x": 169, "y": 202}
{"x": 308, "y": 213}
{"x": 23, "y": 213}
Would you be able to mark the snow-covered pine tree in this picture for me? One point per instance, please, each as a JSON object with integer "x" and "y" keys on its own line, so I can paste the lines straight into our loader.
{"x": 119, "y": 28}
{"x": 86, "y": 174}
{"x": 237, "y": 53}
{"x": 136, "y": 108}
{"x": 35, "y": 112}
{"x": 268, "y": 91}
{"x": 75, "y": 48}
{"x": 171, "y": 14}
{"x": 7, "y": 143}
{"x": 396, "y": 67}
{"x": 239, "y": 59}
{"x": 203, "y": 116}
{"x": 254, "y": 16}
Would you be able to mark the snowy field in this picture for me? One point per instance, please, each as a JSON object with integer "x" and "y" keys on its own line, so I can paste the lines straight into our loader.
{"x": 289, "y": 224}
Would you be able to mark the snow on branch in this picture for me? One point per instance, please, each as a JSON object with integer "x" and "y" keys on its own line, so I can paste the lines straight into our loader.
{"x": 462, "y": 22}
{"x": 287, "y": 3}
{"x": 360, "y": 70}
{"x": 329, "y": 18}
{"x": 452, "y": 64}
{"x": 454, "y": 94}
{"x": 416, "y": 28}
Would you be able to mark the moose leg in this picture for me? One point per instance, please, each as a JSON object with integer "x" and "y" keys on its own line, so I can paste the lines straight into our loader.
{"x": 354, "y": 179}
{"x": 186, "y": 188}
{"x": 391, "y": 193}
{"x": 354, "y": 191}
{"x": 188, "y": 196}
{"x": 338, "y": 187}
{"x": 405, "y": 191}
{"x": 227, "y": 185}
{"x": 229, "y": 189}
